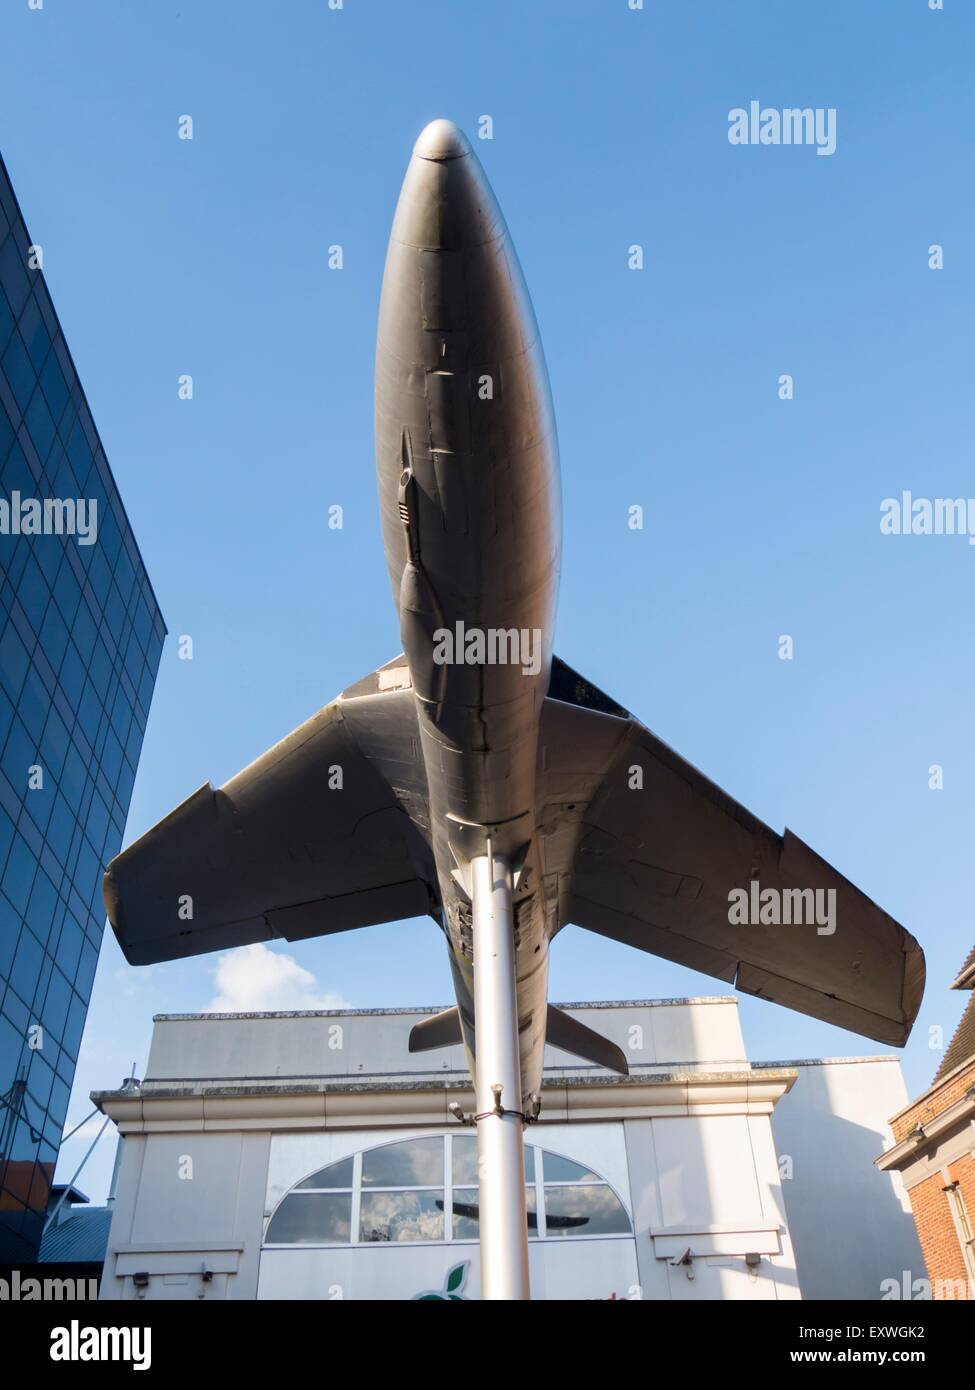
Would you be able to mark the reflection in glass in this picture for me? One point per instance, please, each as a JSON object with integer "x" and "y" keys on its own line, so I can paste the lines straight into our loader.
{"x": 414, "y": 1163}
{"x": 319, "y": 1209}
{"x": 466, "y": 1214}
{"x": 559, "y": 1169}
{"x": 464, "y": 1162}
{"x": 401, "y": 1216}
{"x": 584, "y": 1211}
{"x": 314, "y": 1218}
{"x": 335, "y": 1175}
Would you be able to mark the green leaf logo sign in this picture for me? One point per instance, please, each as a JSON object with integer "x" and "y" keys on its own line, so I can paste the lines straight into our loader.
{"x": 452, "y": 1291}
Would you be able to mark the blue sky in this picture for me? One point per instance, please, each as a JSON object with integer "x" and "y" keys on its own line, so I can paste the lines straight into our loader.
{"x": 209, "y": 257}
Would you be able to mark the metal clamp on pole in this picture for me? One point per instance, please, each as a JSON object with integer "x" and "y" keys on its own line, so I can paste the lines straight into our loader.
{"x": 498, "y": 1108}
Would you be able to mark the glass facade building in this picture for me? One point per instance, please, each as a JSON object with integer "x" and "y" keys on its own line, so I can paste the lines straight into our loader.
{"x": 80, "y": 641}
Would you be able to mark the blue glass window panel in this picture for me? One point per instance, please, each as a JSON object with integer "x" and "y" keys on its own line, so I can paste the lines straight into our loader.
{"x": 6, "y": 718}
{"x": 9, "y": 931}
{"x": 6, "y": 428}
{"x": 6, "y": 435}
{"x": 40, "y": 1079}
{"x": 75, "y": 1025}
{"x": 39, "y": 803}
{"x": 6, "y": 837}
{"x": 84, "y": 632}
{"x": 42, "y": 905}
{"x": 34, "y": 332}
{"x": 67, "y": 423}
{"x": 60, "y": 1094}
{"x": 56, "y": 1005}
{"x": 13, "y": 556}
{"x": 6, "y": 320}
{"x": 16, "y": 1010}
{"x": 124, "y": 573}
{"x": 33, "y": 593}
{"x": 54, "y": 636}
{"x": 70, "y": 946}
{"x": 86, "y": 795}
{"x": 52, "y": 1129}
{"x": 121, "y": 713}
{"x": 34, "y": 704}
{"x": 18, "y": 370}
{"x": 88, "y": 873}
{"x": 40, "y": 425}
{"x": 35, "y": 842}
{"x": 17, "y": 472}
{"x": 26, "y": 966}
{"x": 146, "y": 686}
{"x": 96, "y": 827}
{"x": 65, "y": 483}
{"x": 54, "y": 743}
{"x": 111, "y": 759}
{"x": 73, "y": 777}
{"x": 132, "y": 664}
{"x": 48, "y": 551}
{"x": 100, "y": 737}
{"x": 11, "y": 1043}
{"x": 18, "y": 757}
{"x": 53, "y": 386}
{"x": 79, "y": 454}
{"x": 109, "y": 536}
{"x": 89, "y": 711}
{"x": 100, "y": 575}
{"x": 72, "y": 675}
{"x": 100, "y": 669}
{"x": 59, "y": 828}
{"x": 13, "y": 274}
{"x": 115, "y": 610}
{"x": 67, "y": 592}
{"x": 43, "y": 977}
{"x": 18, "y": 876}
{"x": 126, "y": 780}
{"x": 14, "y": 662}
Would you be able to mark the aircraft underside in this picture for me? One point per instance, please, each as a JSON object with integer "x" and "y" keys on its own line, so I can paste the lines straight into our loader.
{"x": 505, "y": 798}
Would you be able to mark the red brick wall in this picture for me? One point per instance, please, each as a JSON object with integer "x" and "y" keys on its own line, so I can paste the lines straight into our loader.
{"x": 929, "y": 1201}
{"x": 936, "y": 1101}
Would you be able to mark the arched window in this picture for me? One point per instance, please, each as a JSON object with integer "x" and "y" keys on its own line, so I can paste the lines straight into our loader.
{"x": 426, "y": 1190}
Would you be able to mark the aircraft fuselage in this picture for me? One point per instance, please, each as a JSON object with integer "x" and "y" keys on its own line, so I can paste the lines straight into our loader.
{"x": 467, "y": 461}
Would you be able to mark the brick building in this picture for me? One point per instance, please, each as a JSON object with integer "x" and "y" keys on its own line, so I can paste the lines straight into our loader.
{"x": 934, "y": 1151}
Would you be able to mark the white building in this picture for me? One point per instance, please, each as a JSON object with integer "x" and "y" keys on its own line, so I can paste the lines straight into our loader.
{"x": 309, "y": 1155}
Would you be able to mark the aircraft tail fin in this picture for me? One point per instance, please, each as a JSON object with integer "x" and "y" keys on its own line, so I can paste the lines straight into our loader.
{"x": 439, "y": 1030}
{"x": 570, "y": 1035}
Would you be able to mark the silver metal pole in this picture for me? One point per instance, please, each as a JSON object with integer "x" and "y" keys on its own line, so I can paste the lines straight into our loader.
{"x": 497, "y": 1063}
{"x": 77, "y": 1173}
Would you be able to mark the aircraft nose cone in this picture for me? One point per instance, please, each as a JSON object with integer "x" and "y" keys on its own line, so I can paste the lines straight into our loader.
{"x": 445, "y": 203}
{"x": 441, "y": 140}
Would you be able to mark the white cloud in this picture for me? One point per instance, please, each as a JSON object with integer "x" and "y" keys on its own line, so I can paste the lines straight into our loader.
{"x": 253, "y": 979}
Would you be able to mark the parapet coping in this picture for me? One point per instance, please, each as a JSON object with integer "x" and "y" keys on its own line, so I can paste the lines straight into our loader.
{"x": 439, "y": 1008}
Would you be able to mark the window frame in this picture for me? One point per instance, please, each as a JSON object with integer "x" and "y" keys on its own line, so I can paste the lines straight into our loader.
{"x": 447, "y": 1187}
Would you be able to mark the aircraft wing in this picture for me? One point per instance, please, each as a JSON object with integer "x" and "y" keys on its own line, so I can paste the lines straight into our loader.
{"x": 310, "y": 839}
{"x": 658, "y": 848}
